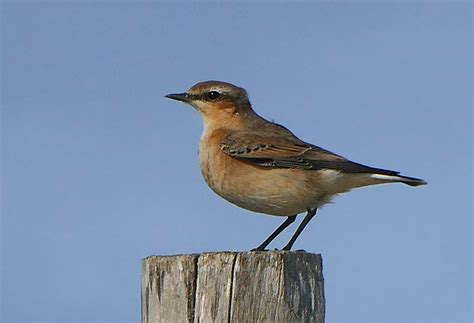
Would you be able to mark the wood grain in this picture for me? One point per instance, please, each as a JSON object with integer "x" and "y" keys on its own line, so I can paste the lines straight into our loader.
{"x": 273, "y": 286}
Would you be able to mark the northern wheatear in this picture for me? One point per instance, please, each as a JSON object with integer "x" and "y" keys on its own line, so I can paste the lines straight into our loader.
{"x": 263, "y": 167}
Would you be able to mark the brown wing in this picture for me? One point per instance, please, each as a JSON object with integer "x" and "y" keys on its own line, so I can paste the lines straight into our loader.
{"x": 273, "y": 150}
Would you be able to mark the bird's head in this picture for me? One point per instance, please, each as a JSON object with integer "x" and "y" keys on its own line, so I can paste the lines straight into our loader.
{"x": 216, "y": 101}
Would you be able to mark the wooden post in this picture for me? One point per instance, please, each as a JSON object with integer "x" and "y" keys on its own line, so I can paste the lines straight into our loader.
{"x": 273, "y": 286}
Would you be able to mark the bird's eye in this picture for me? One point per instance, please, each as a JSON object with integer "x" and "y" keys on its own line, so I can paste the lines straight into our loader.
{"x": 213, "y": 95}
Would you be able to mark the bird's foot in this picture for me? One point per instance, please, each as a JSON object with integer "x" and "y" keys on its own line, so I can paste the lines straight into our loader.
{"x": 258, "y": 249}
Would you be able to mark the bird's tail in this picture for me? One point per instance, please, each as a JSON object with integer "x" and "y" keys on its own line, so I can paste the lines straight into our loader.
{"x": 412, "y": 181}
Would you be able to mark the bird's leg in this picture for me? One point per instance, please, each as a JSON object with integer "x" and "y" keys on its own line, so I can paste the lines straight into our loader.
{"x": 307, "y": 218}
{"x": 278, "y": 230}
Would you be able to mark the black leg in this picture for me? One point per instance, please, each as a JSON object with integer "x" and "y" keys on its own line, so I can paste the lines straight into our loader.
{"x": 278, "y": 230}
{"x": 307, "y": 218}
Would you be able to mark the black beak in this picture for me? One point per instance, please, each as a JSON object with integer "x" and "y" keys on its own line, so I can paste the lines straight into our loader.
{"x": 183, "y": 97}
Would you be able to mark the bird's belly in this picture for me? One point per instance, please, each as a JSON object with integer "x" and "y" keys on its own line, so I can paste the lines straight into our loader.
{"x": 274, "y": 191}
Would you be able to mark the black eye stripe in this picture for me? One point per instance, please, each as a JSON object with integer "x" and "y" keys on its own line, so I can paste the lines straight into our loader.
{"x": 209, "y": 96}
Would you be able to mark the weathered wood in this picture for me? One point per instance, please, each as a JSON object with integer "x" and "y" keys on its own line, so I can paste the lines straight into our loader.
{"x": 273, "y": 286}
{"x": 169, "y": 288}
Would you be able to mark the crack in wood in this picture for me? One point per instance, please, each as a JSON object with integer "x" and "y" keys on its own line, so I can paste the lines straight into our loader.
{"x": 231, "y": 292}
{"x": 192, "y": 305}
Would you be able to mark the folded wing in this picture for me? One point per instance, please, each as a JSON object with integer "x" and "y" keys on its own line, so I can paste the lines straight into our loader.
{"x": 273, "y": 150}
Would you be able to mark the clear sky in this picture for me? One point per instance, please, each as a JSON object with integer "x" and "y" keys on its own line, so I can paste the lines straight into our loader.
{"x": 99, "y": 170}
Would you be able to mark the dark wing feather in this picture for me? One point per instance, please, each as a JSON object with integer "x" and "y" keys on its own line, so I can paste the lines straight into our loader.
{"x": 276, "y": 151}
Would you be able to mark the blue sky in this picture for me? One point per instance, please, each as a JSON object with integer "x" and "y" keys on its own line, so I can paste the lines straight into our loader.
{"x": 99, "y": 170}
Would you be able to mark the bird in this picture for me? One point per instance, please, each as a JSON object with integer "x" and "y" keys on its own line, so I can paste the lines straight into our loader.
{"x": 263, "y": 167}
